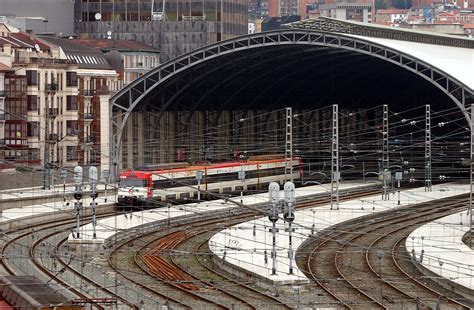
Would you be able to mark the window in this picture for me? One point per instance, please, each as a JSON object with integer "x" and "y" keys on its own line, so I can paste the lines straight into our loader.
{"x": 71, "y": 79}
{"x": 71, "y": 153}
{"x": 31, "y": 77}
{"x": 33, "y": 129}
{"x": 34, "y": 154}
{"x": 71, "y": 128}
{"x": 15, "y": 131}
{"x": 71, "y": 103}
{"x": 32, "y": 103}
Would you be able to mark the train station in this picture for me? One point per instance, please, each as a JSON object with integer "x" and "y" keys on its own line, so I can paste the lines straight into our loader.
{"x": 326, "y": 165}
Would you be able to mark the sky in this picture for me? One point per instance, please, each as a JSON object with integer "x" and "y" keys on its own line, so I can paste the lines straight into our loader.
{"x": 59, "y": 13}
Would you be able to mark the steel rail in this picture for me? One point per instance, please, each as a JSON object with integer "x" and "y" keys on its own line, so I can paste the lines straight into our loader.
{"x": 399, "y": 218}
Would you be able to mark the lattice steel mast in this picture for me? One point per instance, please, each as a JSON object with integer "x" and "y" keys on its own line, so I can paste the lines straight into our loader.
{"x": 385, "y": 154}
{"x": 289, "y": 145}
{"x": 335, "y": 174}
{"x": 428, "y": 182}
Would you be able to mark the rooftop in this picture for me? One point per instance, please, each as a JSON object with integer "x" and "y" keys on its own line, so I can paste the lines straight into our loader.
{"x": 392, "y": 11}
{"x": 341, "y": 5}
{"x": 4, "y": 68}
{"x": 21, "y": 40}
{"x": 84, "y": 56}
{"x": 328, "y": 24}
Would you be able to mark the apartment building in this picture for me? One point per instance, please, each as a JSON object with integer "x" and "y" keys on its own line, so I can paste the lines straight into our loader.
{"x": 54, "y": 102}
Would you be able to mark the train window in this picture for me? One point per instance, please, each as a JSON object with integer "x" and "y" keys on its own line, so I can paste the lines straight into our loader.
{"x": 133, "y": 182}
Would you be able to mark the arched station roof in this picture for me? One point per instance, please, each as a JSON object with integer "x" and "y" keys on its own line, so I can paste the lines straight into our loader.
{"x": 301, "y": 67}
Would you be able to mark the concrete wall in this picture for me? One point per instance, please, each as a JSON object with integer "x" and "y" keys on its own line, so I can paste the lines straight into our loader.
{"x": 172, "y": 38}
{"x": 440, "y": 28}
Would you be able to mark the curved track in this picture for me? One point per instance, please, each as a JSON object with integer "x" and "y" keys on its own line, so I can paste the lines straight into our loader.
{"x": 183, "y": 288}
{"x": 356, "y": 262}
{"x": 34, "y": 248}
{"x": 45, "y": 253}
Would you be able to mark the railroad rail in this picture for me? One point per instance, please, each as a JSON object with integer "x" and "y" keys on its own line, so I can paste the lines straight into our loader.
{"x": 58, "y": 227}
{"x": 36, "y": 250}
{"x": 346, "y": 260}
{"x": 233, "y": 294}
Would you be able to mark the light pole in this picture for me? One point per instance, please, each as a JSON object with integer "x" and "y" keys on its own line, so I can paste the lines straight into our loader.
{"x": 199, "y": 175}
{"x": 105, "y": 176}
{"x": 242, "y": 179}
{"x": 273, "y": 193}
{"x": 93, "y": 180}
{"x": 289, "y": 216}
{"x": 78, "y": 196}
{"x": 63, "y": 175}
{"x": 398, "y": 177}
{"x": 98, "y": 18}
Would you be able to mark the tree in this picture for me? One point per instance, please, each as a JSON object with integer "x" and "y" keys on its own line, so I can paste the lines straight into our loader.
{"x": 402, "y": 4}
{"x": 380, "y": 4}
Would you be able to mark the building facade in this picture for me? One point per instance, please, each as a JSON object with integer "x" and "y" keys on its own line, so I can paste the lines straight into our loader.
{"x": 174, "y": 29}
{"x": 54, "y": 102}
{"x": 360, "y": 12}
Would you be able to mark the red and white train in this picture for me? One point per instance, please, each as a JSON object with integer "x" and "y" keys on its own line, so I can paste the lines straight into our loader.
{"x": 178, "y": 181}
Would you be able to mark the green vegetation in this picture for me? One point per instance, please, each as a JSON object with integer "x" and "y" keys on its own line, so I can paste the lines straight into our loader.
{"x": 397, "y": 4}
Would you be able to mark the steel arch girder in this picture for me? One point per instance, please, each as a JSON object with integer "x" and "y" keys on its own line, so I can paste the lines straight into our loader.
{"x": 277, "y": 38}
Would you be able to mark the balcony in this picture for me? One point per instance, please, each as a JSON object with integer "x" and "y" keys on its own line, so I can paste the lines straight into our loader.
{"x": 52, "y": 138}
{"x": 53, "y": 112}
{"x": 88, "y": 117}
{"x": 103, "y": 90}
{"x": 89, "y": 139}
{"x": 51, "y": 88}
{"x": 3, "y": 93}
{"x": 88, "y": 92}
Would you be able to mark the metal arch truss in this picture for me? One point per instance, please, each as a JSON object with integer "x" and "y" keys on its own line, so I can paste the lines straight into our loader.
{"x": 129, "y": 97}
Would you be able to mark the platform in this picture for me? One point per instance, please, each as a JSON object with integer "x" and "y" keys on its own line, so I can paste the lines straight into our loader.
{"x": 21, "y": 197}
{"x": 13, "y": 218}
{"x": 246, "y": 250}
{"x": 445, "y": 254}
{"x": 107, "y": 228}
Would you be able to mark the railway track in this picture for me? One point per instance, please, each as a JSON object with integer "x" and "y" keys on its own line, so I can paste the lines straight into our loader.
{"x": 239, "y": 294}
{"x": 172, "y": 284}
{"x": 43, "y": 242}
{"x": 176, "y": 284}
{"x": 356, "y": 262}
{"x": 31, "y": 245}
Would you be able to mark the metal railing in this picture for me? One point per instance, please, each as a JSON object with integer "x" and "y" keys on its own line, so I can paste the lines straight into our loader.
{"x": 51, "y": 87}
{"x": 52, "y": 138}
{"x": 53, "y": 112}
{"x": 88, "y": 116}
{"x": 88, "y": 92}
{"x": 89, "y": 139}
